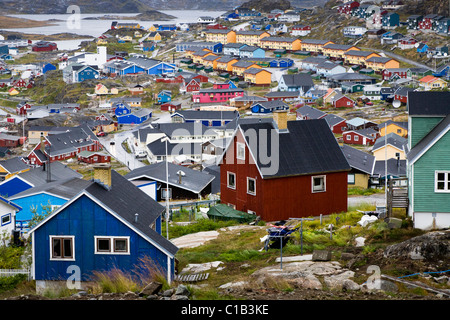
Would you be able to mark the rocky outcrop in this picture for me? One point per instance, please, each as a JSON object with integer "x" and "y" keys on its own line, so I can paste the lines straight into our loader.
{"x": 267, "y": 5}
{"x": 430, "y": 246}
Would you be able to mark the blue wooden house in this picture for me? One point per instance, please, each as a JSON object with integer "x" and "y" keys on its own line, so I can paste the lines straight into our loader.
{"x": 110, "y": 225}
{"x": 164, "y": 96}
{"x": 135, "y": 117}
{"x": 48, "y": 67}
{"x": 442, "y": 71}
{"x": 269, "y": 106}
{"x": 45, "y": 198}
{"x": 82, "y": 73}
{"x": 422, "y": 48}
{"x": 121, "y": 108}
{"x": 167, "y": 27}
{"x": 390, "y": 20}
{"x": 281, "y": 63}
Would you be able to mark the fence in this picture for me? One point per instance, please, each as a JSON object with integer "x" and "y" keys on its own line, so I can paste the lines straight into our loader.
{"x": 13, "y": 272}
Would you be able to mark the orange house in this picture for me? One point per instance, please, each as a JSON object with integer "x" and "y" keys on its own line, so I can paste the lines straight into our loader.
{"x": 286, "y": 43}
{"x": 314, "y": 45}
{"x": 359, "y": 57}
{"x": 198, "y": 56}
{"x": 226, "y": 63}
{"x": 381, "y": 63}
{"x": 241, "y": 66}
{"x": 258, "y": 76}
{"x": 211, "y": 61}
{"x": 223, "y": 36}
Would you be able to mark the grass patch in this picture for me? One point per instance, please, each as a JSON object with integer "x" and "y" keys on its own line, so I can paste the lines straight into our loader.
{"x": 364, "y": 192}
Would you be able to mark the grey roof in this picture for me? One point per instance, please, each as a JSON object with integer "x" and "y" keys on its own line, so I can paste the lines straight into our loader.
{"x": 393, "y": 139}
{"x": 349, "y": 76}
{"x": 254, "y": 70}
{"x": 403, "y": 91}
{"x": 273, "y": 104}
{"x": 315, "y": 41}
{"x": 333, "y": 119}
{"x": 182, "y": 129}
{"x": 70, "y": 141}
{"x": 310, "y": 112}
{"x": 66, "y": 188}
{"x": 192, "y": 180}
{"x": 127, "y": 200}
{"x": 15, "y": 164}
{"x": 379, "y": 59}
{"x": 429, "y": 103}
{"x": 358, "y": 159}
{"x": 282, "y": 94}
{"x": 303, "y": 80}
{"x": 334, "y": 46}
{"x": 308, "y": 147}
{"x": 207, "y": 114}
{"x": 158, "y": 148}
{"x": 396, "y": 168}
{"x": 359, "y": 53}
{"x": 58, "y": 171}
{"x": 232, "y": 125}
{"x": 279, "y": 39}
{"x": 243, "y": 64}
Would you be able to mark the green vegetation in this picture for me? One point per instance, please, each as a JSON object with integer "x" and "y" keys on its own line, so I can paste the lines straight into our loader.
{"x": 364, "y": 192}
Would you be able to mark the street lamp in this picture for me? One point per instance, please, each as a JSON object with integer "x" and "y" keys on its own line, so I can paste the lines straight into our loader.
{"x": 167, "y": 190}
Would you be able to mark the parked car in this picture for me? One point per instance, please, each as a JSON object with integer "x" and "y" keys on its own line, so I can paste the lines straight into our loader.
{"x": 112, "y": 143}
{"x": 102, "y": 134}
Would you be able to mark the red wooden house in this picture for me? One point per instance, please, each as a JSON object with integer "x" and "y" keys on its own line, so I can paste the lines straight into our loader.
{"x": 168, "y": 106}
{"x": 346, "y": 8}
{"x": 44, "y": 46}
{"x": 20, "y": 83}
{"x": 342, "y": 101}
{"x": 363, "y": 137}
{"x": 94, "y": 157}
{"x": 216, "y": 26}
{"x": 396, "y": 73}
{"x": 304, "y": 176}
{"x": 401, "y": 94}
{"x": 22, "y": 108}
{"x": 193, "y": 85}
{"x": 427, "y": 22}
{"x": 337, "y": 124}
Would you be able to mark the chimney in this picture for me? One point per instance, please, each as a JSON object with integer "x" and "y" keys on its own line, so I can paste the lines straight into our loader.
{"x": 280, "y": 118}
{"x": 102, "y": 175}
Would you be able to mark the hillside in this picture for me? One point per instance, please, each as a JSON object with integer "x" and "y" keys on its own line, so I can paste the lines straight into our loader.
{"x": 267, "y": 5}
{"x": 129, "y": 6}
{"x": 424, "y": 7}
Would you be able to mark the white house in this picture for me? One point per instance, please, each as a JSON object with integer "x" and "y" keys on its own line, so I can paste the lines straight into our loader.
{"x": 206, "y": 19}
{"x": 354, "y": 31}
{"x": 289, "y": 16}
{"x": 300, "y": 30}
{"x": 328, "y": 68}
{"x": 372, "y": 92}
{"x": 8, "y": 212}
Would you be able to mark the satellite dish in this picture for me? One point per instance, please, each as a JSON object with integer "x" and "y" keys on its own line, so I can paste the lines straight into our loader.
{"x": 96, "y": 76}
{"x": 396, "y": 103}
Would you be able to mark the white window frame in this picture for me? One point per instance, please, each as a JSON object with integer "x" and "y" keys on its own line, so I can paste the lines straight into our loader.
{"x": 240, "y": 145}
{"x": 72, "y": 238}
{"x": 248, "y": 184}
{"x": 324, "y": 177}
{"x": 111, "y": 245}
{"x": 228, "y": 180}
{"x": 446, "y": 181}
{"x": 353, "y": 176}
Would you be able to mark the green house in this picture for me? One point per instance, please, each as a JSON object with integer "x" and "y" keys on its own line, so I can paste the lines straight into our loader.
{"x": 428, "y": 158}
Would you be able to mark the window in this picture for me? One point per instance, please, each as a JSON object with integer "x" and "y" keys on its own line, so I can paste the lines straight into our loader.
{"x": 251, "y": 186}
{"x": 351, "y": 178}
{"x": 62, "y": 248}
{"x": 442, "y": 181}
{"x": 318, "y": 184}
{"x": 231, "y": 182}
{"x": 356, "y": 138}
{"x": 112, "y": 245}
{"x": 6, "y": 219}
{"x": 240, "y": 151}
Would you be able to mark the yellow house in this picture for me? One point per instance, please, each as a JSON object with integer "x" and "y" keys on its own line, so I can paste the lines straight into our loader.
{"x": 328, "y": 97}
{"x": 137, "y": 34}
{"x": 226, "y": 63}
{"x": 333, "y": 50}
{"x": 251, "y": 38}
{"x": 102, "y": 41}
{"x": 397, "y": 127}
{"x": 361, "y": 164}
{"x": 258, "y": 76}
{"x": 275, "y": 43}
{"x": 114, "y": 91}
{"x": 211, "y": 61}
{"x": 431, "y": 82}
{"x": 11, "y": 167}
{"x": 241, "y": 66}
{"x": 154, "y": 36}
{"x": 152, "y": 28}
{"x": 126, "y": 38}
{"x": 100, "y": 89}
{"x": 382, "y": 63}
{"x": 13, "y": 91}
{"x": 128, "y": 25}
{"x": 390, "y": 146}
{"x": 190, "y": 52}
{"x": 359, "y": 57}
{"x": 223, "y": 36}
{"x": 200, "y": 55}
{"x": 314, "y": 45}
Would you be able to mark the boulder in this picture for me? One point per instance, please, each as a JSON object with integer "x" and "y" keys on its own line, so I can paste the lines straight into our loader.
{"x": 151, "y": 289}
{"x": 182, "y": 290}
{"x": 321, "y": 255}
{"x": 393, "y": 223}
{"x": 429, "y": 246}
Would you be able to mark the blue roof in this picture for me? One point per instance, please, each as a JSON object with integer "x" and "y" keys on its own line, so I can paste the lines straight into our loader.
{"x": 10, "y": 203}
